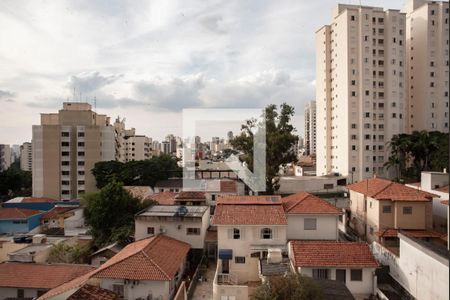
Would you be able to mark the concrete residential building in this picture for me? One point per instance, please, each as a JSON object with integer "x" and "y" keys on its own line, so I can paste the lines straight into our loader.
{"x": 129, "y": 145}
{"x": 427, "y": 50}
{"x": 310, "y": 128}
{"x": 379, "y": 208}
{"x": 26, "y": 156}
{"x": 66, "y": 145}
{"x": 360, "y": 89}
{"x": 5, "y": 157}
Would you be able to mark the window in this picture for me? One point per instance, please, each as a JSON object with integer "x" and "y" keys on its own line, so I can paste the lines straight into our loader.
{"x": 387, "y": 209}
{"x": 356, "y": 275}
{"x": 320, "y": 273}
{"x": 65, "y": 134}
{"x": 20, "y": 293}
{"x": 150, "y": 230}
{"x": 80, "y": 144}
{"x": 407, "y": 210}
{"x": 236, "y": 234}
{"x": 80, "y": 134}
{"x": 193, "y": 231}
{"x": 81, "y": 163}
{"x": 310, "y": 224}
{"x": 118, "y": 289}
{"x": 65, "y": 144}
{"x": 239, "y": 259}
{"x": 266, "y": 233}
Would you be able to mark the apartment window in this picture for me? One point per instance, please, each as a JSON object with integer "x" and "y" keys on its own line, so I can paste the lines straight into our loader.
{"x": 65, "y": 153}
{"x": 80, "y": 144}
{"x": 151, "y": 230}
{"x": 353, "y": 82}
{"x": 367, "y": 137}
{"x": 367, "y": 126}
{"x": 353, "y": 136}
{"x": 65, "y": 173}
{"x": 394, "y": 115}
{"x": 65, "y": 182}
{"x": 80, "y": 172}
{"x": 236, "y": 234}
{"x": 310, "y": 224}
{"x": 352, "y": 18}
{"x": 407, "y": 210}
{"x": 81, "y": 163}
{"x": 266, "y": 233}
{"x": 367, "y": 114}
{"x": 432, "y": 12}
{"x": 431, "y": 63}
{"x": 239, "y": 259}
{"x": 387, "y": 209}
{"x": 367, "y": 93}
{"x": 80, "y": 134}
{"x": 65, "y": 134}
{"x": 80, "y": 182}
{"x": 193, "y": 231}
{"x": 353, "y": 94}
{"x": 431, "y": 84}
{"x": 81, "y": 153}
{"x": 65, "y": 163}
{"x": 65, "y": 144}
{"x": 353, "y": 126}
{"x": 356, "y": 275}
{"x": 353, "y": 147}
{"x": 320, "y": 273}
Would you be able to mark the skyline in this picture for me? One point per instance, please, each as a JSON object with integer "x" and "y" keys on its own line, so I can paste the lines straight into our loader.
{"x": 233, "y": 55}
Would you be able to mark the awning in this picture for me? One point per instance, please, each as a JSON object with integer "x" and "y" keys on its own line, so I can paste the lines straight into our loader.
{"x": 225, "y": 253}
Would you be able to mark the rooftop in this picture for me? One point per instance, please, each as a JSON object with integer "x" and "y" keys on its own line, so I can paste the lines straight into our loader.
{"x": 174, "y": 211}
{"x": 411, "y": 233}
{"x": 57, "y": 212}
{"x": 164, "y": 198}
{"x": 90, "y": 292}
{"x": 382, "y": 189}
{"x": 332, "y": 254}
{"x": 191, "y": 196}
{"x": 305, "y": 203}
{"x": 31, "y": 200}
{"x": 17, "y": 213}
{"x": 29, "y": 275}
{"x": 246, "y": 200}
{"x": 276, "y": 268}
{"x": 139, "y": 192}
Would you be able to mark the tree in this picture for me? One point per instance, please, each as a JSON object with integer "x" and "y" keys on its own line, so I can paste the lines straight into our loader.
{"x": 14, "y": 182}
{"x": 280, "y": 141}
{"x": 140, "y": 172}
{"x": 110, "y": 214}
{"x": 290, "y": 287}
{"x": 69, "y": 254}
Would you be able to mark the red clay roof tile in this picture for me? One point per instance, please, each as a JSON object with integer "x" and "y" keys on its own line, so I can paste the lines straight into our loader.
{"x": 164, "y": 198}
{"x": 305, "y": 203}
{"x": 260, "y": 200}
{"x": 90, "y": 292}
{"x": 251, "y": 214}
{"x": 17, "y": 213}
{"x": 332, "y": 254}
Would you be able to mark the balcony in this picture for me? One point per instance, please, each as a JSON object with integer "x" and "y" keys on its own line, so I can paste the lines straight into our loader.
{"x": 226, "y": 285}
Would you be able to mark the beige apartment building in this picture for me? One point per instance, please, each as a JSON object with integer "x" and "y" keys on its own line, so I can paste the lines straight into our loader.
{"x": 427, "y": 50}
{"x": 360, "y": 89}
{"x": 66, "y": 145}
{"x": 129, "y": 145}
{"x": 5, "y": 157}
{"x": 310, "y": 128}
{"x": 26, "y": 156}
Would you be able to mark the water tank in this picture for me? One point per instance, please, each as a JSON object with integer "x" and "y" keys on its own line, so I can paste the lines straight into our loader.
{"x": 274, "y": 256}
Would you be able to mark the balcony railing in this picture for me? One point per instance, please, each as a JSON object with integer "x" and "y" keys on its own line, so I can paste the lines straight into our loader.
{"x": 227, "y": 279}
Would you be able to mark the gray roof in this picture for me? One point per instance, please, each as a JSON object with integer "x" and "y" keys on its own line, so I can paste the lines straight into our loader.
{"x": 275, "y": 269}
{"x": 172, "y": 211}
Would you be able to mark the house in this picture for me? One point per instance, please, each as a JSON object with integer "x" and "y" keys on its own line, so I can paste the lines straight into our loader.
{"x": 437, "y": 184}
{"x": 36, "y": 203}
{"x": 247, "y": 228}
{"x": 151, "y": 268}
{"x": 310, "y": 218}
{"x": 349, "y": 262}
{"x": 169, "y": 185}
{"x": 91, "y": 292}
{"x": 54, "y": 218}
{"x": 190, "y": 198}
{"x": 100, "y": 256}
{"x": 421, "y": 266}
{"x": 25, "y": 280}
{"x": 18, "y": 220}
{"x": 379, "y": 204}
{"x": 184, "y": 223}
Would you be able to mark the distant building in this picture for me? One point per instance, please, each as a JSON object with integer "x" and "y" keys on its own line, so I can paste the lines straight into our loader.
{"x": 5, "y": 157}
{"x": 165, "y": 147}
{"x": 26, "y": 156}
{"x": 66, "y": 146}
{"x": 129, "y": 145}
{"x": 310, "y": 128}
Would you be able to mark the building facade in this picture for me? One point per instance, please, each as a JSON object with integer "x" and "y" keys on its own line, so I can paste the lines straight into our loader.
{"x": 129, "y": 145}
{"x": 360, "y": 89}
{"x": 26, "y": 156}
{"x": 66, "y": 145}
{"x": 427, "y": 50}
{"x": 5, "y": 157}
{"x": 310, "y": 128}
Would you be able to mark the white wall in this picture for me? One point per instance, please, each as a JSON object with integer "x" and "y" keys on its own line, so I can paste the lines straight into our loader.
{"x": 143, "y": 289}
{"x": 12, "y": 293}
{"x": 327, "y": 227}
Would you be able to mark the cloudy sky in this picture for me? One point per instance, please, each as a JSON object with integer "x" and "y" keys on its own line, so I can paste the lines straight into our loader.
{"x": 147, "y": 60}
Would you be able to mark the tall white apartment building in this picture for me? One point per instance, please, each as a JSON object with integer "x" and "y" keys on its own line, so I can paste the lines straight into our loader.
{"x": 310, "y": 128}
{"x": 129, "y": 145}
{"x": 427, "y": 50}
{"x": 5, "y": 157}
{"x": 360, "y": 89}
{"x": 66, "y": 146}
{"x": 26, "y": 156}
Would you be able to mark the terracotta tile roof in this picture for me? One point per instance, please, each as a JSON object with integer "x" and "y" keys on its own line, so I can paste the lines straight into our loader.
{"x": 164, "y": 198}
{"x": 382, "y": 189}
{"x": 444, "y": 202}
{"x": 155, "y": 258}
{"x": 332, "y": 254}
{"x": 17, "y": 213}
{"x": 390, "y": 232}
{"x": 38, "y": 200}
{"x": 57, "y": 211}
{"x": 305, "y": 203}
{"x": 249, "y": 214}
{"x": 264, "y": 199}
{"x": 90, "y": 292}
{"x": 191, "y": 195}
{"x": 443, "y": 189}
{"x": 30, "y": 275}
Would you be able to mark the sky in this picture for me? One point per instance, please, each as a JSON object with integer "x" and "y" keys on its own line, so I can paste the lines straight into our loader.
{"x": 148, "y": 60}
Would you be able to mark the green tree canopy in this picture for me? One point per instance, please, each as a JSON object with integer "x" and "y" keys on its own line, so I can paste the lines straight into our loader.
{"x": 14, "y": 182}
{"x": 280, "y": 141}
{"x": 290, "y": 287}
{"x": 140, "y": 172}
{"x": 110, "y": 214}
